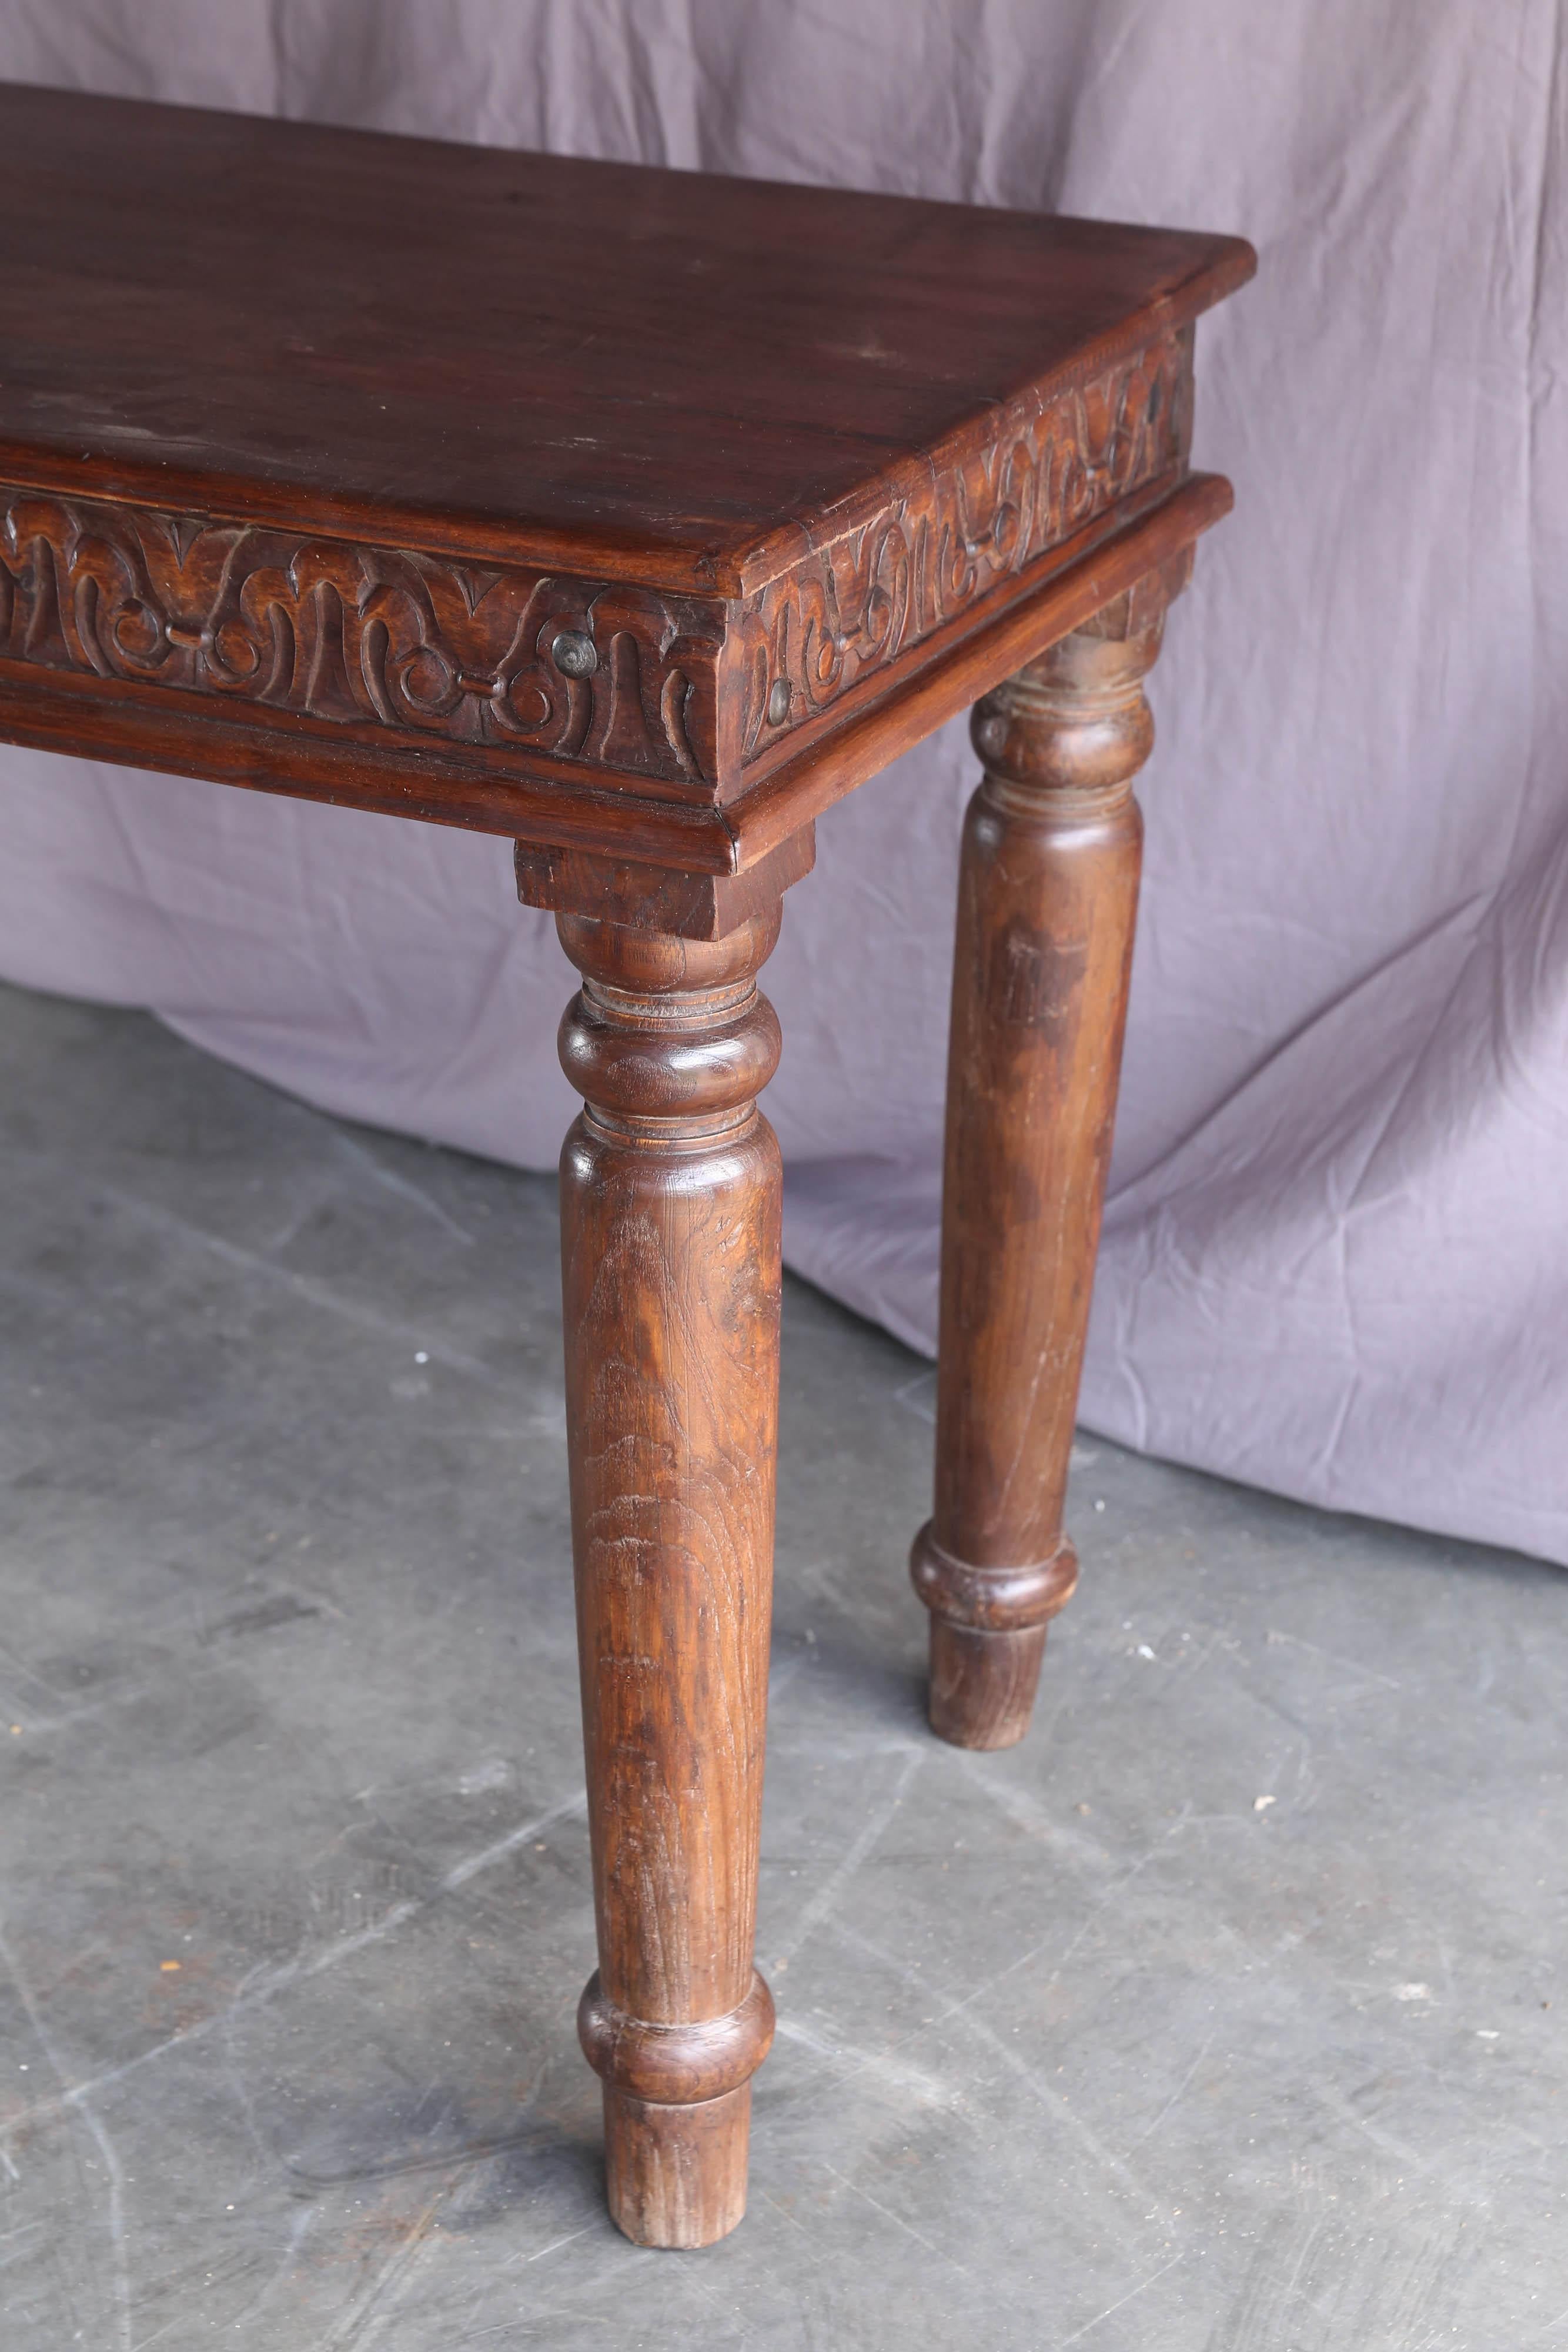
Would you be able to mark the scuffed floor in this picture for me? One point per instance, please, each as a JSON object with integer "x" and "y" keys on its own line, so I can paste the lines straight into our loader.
{"x": 1226, "y": 2015}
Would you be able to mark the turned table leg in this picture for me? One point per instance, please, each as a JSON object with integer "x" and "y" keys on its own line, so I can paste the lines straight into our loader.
{"x": 1047, "y": 895}
{"x": 670, "y": 1224}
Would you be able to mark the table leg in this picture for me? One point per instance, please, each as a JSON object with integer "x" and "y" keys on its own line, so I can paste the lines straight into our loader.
{"x": 670, "y": 1226}
{"x": 1047, "y": 896}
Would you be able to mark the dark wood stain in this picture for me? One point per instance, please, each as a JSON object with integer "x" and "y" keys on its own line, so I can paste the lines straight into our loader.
{"x": 639, "y": 515}
{"x": 315, "y": 444}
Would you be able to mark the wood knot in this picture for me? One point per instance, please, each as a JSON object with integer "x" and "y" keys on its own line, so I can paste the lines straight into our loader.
{"x": 991, "y": 1600}
{"x": 676, "y": 2065}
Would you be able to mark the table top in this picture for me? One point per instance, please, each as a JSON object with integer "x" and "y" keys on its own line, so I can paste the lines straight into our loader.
{"x": 770, "y": 439}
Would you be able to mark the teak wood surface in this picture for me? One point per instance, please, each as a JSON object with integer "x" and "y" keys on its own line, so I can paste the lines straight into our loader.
{"x": 637, "y": 516}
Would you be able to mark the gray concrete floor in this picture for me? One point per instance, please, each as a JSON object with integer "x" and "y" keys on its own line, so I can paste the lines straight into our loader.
{"x": 1226, "y": 2015}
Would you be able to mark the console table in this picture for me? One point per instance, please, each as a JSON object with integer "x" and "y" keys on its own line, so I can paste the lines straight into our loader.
{"x": 637, "y": 516}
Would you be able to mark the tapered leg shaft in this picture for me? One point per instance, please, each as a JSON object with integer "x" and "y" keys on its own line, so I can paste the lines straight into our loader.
{"x": 1047, "y": 896}
{"x": 670, "y": 1224}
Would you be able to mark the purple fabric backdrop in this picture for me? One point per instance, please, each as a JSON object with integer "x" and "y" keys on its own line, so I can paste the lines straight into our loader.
{"x": 1336, "y": 1256}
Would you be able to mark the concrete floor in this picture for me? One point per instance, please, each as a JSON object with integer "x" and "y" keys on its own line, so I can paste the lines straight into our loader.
{"x": 1226, "y": 2015}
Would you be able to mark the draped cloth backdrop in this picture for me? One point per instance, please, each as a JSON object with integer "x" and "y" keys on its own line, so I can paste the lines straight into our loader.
{"x": 1335, "y": 1259}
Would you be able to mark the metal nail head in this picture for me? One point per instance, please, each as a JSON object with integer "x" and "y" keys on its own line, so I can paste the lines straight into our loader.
{"x": 778, "y": 702}
{"x": 575, "y": 652}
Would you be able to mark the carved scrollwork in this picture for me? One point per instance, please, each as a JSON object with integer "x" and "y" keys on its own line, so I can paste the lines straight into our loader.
{"x": 1046, "y": 470}
{"x": 625, "y": 680}
{"x": 376, "y": 635}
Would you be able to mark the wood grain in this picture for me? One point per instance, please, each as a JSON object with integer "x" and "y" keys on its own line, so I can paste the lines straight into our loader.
{"x": 670, "y": 1241}
{"x": 1048, "y": 893}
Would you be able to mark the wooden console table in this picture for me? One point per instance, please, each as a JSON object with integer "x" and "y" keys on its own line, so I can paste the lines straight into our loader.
{"x": 636, "y": 517}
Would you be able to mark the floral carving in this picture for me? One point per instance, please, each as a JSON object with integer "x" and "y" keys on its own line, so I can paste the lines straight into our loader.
{"x": 620, "y": 680}
{"x": 375, "y": 635}
{"x": 1045, "y": 470}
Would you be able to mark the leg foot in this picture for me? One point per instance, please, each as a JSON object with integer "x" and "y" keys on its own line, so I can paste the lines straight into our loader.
{"x": 676, "y": 2176}
{"x": 987, "y": 1638}
{"x": 983, "y": 1684}
{"x": 677, "y": 2107}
